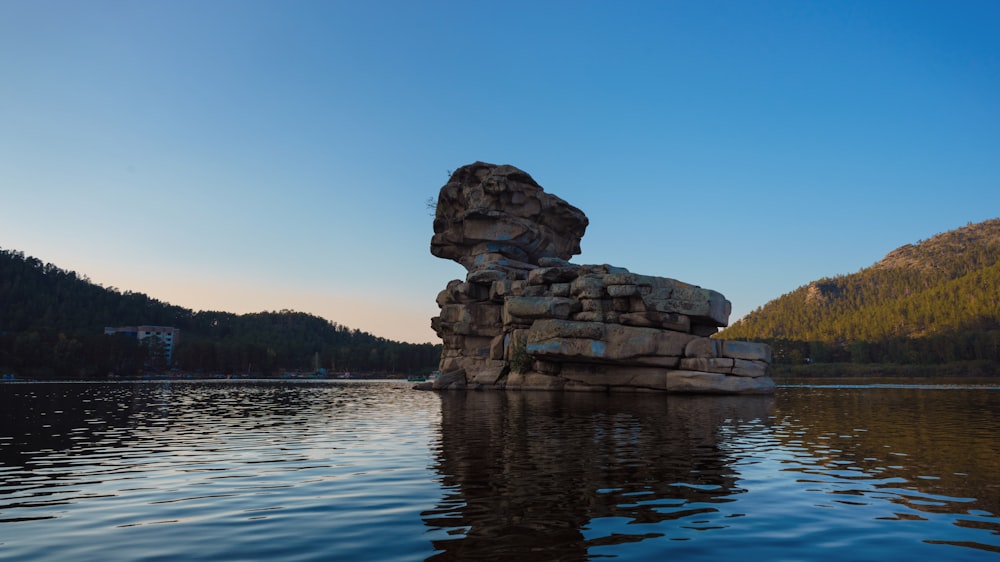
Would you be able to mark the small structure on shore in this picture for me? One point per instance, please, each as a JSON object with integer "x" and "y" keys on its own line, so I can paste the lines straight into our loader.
{"x": 527, "y": 318}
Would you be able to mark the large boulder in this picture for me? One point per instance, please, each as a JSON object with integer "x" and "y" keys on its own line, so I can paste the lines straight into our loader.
{"x": 498, "y": 217}
{"x": 526, "y": 318}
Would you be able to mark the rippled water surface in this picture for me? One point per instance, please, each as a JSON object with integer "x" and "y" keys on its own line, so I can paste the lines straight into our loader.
{"x": 376, "y": 471}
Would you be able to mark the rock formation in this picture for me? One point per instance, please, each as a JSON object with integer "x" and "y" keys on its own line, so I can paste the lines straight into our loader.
{"x": 527, "y": 318}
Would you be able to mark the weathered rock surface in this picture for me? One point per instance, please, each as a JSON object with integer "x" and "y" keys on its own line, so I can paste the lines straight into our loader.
{"x": 497, "y": 218}
{"x": 526, "y": 318}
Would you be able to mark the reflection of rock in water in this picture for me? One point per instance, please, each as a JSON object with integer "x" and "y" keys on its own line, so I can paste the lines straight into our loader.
{"x": 527, "y": 471}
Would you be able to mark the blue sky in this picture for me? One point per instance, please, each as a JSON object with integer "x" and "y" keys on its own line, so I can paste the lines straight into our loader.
{"x": 263, "y": 155}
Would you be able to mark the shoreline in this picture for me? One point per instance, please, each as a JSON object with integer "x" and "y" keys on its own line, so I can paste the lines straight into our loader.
{"x": 977, "y": 369}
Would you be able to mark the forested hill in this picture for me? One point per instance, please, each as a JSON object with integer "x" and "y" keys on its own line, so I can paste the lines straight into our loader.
{"x": 935, "y": 301}
{"x": 52, "y": 324}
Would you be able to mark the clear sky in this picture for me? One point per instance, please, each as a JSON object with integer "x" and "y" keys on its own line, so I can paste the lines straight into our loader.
{"x": 245, "y": 155}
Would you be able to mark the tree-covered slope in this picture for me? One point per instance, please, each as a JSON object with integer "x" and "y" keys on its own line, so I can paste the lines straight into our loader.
{"x": 934, "y": 301}
{"x": 52, "y": 322}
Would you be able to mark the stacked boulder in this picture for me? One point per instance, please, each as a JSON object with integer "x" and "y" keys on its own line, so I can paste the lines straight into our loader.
{"x": 527, "y": 318}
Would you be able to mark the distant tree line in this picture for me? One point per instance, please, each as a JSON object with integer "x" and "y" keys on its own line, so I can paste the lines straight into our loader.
{"x": 937, "y": 302}
{"x": 52, "y": 322}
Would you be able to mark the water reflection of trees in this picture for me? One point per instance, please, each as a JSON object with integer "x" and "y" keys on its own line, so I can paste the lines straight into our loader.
{"x": 54, "y": 436}
{"x": 933, "y": 450}
{"x": 527, "y": 473}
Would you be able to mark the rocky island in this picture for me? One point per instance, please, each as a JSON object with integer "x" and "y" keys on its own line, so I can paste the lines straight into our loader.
{"x": 526, "y": 318}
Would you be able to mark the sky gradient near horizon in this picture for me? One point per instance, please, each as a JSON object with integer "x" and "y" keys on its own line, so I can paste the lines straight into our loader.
{"x": 246, "y": 155}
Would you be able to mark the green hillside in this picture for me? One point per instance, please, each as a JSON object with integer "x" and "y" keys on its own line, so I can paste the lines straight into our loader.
{"x": 52, "y": 325}
{"x": 936, "y": 301}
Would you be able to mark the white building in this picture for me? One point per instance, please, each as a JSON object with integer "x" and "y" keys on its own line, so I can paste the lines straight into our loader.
{"x": 167, "y": 335}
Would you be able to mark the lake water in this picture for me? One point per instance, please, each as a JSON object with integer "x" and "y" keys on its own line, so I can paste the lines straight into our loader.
{"x": 376, "y": 471}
